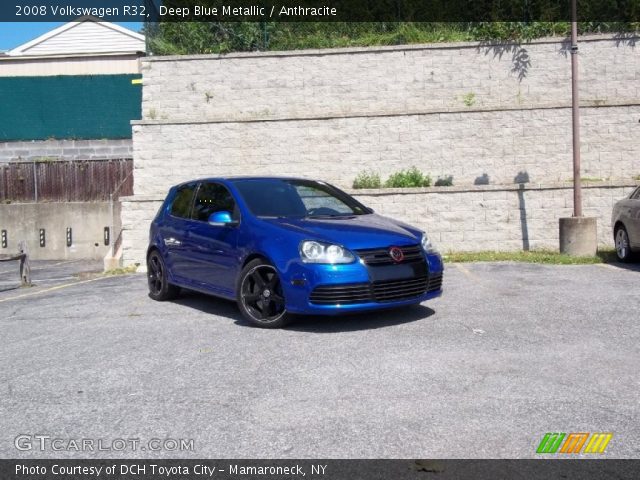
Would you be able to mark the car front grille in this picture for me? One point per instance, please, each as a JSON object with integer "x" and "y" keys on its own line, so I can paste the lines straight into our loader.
{"x": 380, "y": 256}
{"x": 435, "y": 283}
{"x": 379, "y": 292}
{"x": 341, "y": 294}
{"x": 391, "y": 290}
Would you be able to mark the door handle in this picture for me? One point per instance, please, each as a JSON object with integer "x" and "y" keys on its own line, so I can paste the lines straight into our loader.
{"x": 172, "y": 242}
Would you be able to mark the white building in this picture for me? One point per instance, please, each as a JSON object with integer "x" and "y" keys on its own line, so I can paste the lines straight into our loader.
{"x": 86, "y": 46}
{"x": 69, "y": 96}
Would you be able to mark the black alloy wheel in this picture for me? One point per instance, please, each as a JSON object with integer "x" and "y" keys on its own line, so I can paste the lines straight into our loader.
{"x": 260, "y": 295}
{"x": 159, "y": 287}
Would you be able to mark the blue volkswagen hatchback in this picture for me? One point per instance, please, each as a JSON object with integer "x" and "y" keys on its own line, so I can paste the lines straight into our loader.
{"x": 286, "y": 246}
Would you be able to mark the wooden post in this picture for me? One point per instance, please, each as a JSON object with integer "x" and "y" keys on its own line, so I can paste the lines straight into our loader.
{"x": 25, "y": 269}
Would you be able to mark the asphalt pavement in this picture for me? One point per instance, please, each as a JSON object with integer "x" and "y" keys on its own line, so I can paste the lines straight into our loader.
{"x": 507, "y": 354}
{"x": 47, "y": 273}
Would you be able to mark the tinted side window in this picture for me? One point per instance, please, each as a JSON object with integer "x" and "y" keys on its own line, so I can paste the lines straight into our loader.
{"x": 181, "y": 206}
{"x": 211, "y": 198}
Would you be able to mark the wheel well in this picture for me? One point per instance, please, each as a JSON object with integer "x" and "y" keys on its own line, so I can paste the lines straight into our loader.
{"x": 252, "y": 257}
{"x": 618, "y": 225}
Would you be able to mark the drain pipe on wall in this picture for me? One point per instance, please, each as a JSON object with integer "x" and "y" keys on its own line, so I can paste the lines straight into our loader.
{"x": 35, "y": 182}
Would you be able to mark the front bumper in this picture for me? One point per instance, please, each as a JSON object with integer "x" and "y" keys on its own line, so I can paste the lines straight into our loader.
{"x": 356, "y": 287}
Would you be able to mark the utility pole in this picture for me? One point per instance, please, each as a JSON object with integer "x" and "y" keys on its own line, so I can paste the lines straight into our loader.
{"x": 578, "y": 234}
{"x": 575, "y": 113}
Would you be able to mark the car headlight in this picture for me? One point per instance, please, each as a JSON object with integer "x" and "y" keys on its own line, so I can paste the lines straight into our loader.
{"x": 319, "y": 252}
{"x": 427, "y": 246}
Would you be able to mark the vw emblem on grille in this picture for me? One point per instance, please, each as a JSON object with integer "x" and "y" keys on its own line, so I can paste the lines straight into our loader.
{"x": 396, "y": 254}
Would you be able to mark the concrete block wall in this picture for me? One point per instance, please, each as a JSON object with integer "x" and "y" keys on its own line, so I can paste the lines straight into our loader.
{"x": 137, "y": 213}
{"x": 23, "y": 221}
{"x": 474, "y": 146}
{"x": 65, "y": 150}
{"x": 384, "y": 80}
{"x": 481, "y": 113}
{"x": 496, "y": 218}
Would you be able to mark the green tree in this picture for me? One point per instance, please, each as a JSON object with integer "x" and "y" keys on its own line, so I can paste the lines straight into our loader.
{"x": 180, "y": 38}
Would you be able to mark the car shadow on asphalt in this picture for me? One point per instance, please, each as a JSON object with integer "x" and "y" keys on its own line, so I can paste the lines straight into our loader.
{"x": 634, "y": 267}
{"x": 360, "y": 321}
{"x": 209, "y": 304}
{"x": 9, "y": 288}
{"x": 310, "y": 323}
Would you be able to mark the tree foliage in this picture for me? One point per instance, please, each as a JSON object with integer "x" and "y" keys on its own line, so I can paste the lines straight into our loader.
{"x": 181, "y": 38}
{"x": 174, "y": 38}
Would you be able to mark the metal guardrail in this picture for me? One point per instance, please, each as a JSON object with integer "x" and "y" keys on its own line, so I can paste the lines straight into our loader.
{"x": 23, "y": 257}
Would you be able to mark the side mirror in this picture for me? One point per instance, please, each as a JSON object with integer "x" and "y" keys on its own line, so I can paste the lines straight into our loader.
{"x": 221, "y": 219}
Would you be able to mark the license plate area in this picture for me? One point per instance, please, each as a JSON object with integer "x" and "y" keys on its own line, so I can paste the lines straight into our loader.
{"x": 397, "y": 272}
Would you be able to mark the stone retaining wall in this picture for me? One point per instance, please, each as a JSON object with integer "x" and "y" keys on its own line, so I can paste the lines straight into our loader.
{"x": 492, "y": 116}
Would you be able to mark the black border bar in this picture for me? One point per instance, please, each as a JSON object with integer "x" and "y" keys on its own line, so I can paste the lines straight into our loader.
{"x": 297, "y": 469}
{"x": 626, "y": 11}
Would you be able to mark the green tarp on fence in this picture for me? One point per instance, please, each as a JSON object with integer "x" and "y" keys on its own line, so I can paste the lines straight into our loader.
{"x": 68, "y": 107}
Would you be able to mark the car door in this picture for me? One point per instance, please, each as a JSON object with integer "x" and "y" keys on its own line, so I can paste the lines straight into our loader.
{"x": 633, "y": 207}
{"x": 213, "y": 248}
{"x": 174, "y": 232}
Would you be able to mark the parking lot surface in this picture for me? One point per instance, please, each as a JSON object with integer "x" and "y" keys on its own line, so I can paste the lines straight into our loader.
{"x": 47, "y": 273}
{"x": 508, "y": 353}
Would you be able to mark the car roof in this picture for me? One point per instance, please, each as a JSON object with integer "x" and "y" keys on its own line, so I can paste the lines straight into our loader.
{"x": 244, "y": 177}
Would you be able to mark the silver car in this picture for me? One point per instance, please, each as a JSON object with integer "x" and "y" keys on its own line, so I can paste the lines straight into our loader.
{"x": 626, "y": 225}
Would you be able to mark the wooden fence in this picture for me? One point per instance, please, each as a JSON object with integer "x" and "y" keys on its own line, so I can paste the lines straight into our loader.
{"x": 66, "y": 181}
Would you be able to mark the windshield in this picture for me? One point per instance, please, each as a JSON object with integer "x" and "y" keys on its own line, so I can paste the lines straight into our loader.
{"x": 275, "y": 197}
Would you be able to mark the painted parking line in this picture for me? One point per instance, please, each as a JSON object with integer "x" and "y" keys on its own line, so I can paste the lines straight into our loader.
{"x": 38, "y": 282}
{"x": 52, "y": 289}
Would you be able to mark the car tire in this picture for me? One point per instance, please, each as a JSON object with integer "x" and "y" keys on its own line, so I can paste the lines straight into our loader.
{"x": 158, "y": 281}
{"x": 623, "y": 246}
{"x": 260, "y": 295}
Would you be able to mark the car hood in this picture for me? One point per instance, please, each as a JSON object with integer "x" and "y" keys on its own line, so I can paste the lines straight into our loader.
{"x": 358, "y": 231}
